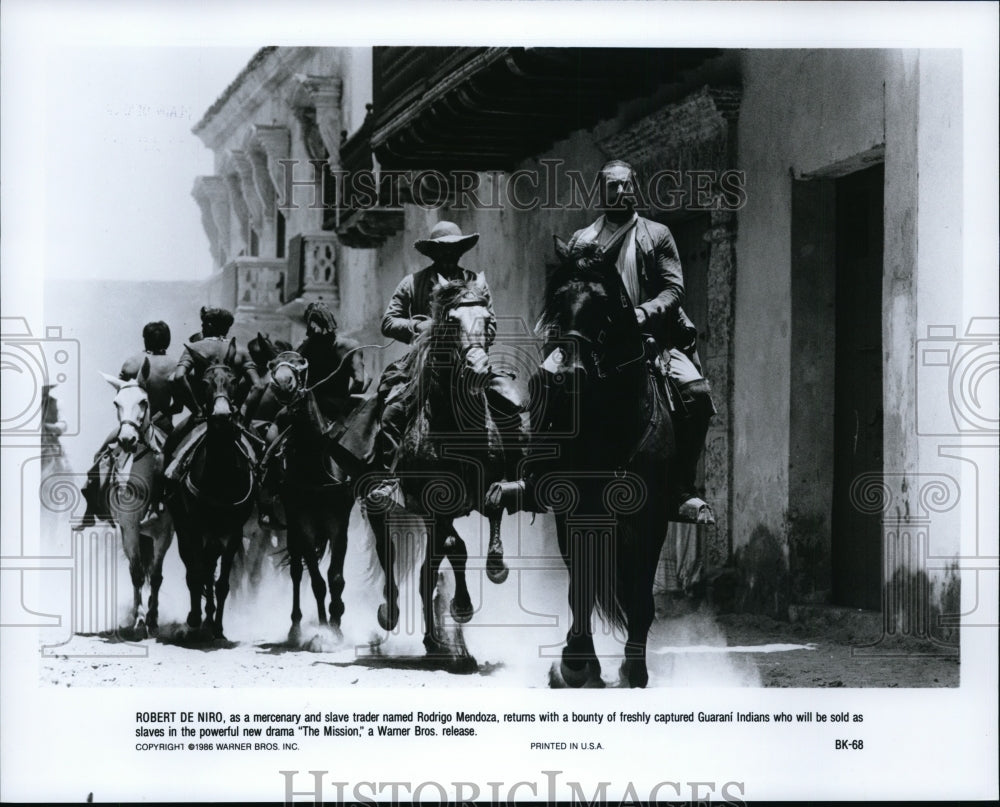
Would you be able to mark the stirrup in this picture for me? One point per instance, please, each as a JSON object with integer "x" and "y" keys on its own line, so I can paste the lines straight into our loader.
{"x": 385, "y": 492}
{"x": 695, "y": 511}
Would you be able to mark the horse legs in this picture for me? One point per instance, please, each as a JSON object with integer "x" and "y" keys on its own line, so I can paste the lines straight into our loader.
{"x": 189, "y": 544}
{"x": 639, "y": 610}
{"x": 222, "y": 584}
{"x": 338, "y": 551}
{"x": 458, "y": 556}
{"x": 311, "y": 548}
{"x": 208, "y": 586}
{"x": 162, "y": 537}
{"x": 133, "y": 552}
{"x": 437, "y": 534}
{"x": 295, "y": 569}
{"x": 388, "y": 611}
{"x": 579, "y": 659}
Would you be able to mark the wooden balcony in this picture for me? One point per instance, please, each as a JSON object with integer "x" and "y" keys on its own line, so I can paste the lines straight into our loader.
{"x": 490, "y": 108}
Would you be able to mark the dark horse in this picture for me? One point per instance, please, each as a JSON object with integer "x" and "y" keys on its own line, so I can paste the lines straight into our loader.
{"x": 451, "y": 451}
{"x": 316, "y": 492}
{"x": 214, "y": 493}
{"x": 603, "y": 442}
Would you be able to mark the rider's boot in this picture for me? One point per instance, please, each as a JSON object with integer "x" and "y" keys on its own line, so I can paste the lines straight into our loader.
{"x": 92, "y": 495}
{"x": 387, "y": 443}
{"x": 691, "y": 430}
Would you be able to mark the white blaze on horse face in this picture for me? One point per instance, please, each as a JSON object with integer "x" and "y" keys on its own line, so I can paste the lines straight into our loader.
{"x": 284, "y": 378}
{"x": 471, "y": 320}
{"x": 221, "y": 407}
{"x": 132, "y": 406}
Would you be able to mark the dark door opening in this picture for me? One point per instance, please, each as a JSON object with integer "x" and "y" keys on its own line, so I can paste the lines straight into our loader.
{"x": 856, "y": 540}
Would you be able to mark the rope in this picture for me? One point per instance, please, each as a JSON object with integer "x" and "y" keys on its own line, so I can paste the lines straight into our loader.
{"x": 337, "y": 368}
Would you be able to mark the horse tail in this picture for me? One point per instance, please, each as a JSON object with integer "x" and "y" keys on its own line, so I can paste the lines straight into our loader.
{"x": 609, "y": 571}
{"x": 146, "y": 552}
{"x": 408, "y": 535}
{"x": 372, "y": 568}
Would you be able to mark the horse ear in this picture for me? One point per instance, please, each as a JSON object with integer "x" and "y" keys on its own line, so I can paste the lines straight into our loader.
{"x": 231, "y": 351}
{"x": 562, "y": 248}
{"x": 117, "y": 383}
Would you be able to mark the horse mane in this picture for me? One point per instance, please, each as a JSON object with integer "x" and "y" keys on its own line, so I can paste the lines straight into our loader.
{"x": 422, "y": 363}
{"x": 585, "y": 268}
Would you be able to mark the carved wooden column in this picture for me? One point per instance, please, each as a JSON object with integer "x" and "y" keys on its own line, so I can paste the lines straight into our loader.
{"x": 323, "y": 93}
{"x": 239, "y": 242}
{"x": 244, "y": 170}
{"x": 275, "y": 142}
{"x": 716, "y": 353}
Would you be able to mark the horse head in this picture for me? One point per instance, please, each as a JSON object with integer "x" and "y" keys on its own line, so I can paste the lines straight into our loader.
{"x": 218, "y": 382}
{"x": 458, "y": 335}
{"x": 288, "y": 377}
{"x": 587, "y": 319}
{"x": 132, "y": 407}
{"x": 261, "y": 350}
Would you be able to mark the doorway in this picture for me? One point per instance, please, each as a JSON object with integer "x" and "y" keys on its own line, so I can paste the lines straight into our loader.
{"x": 856, "y": 540}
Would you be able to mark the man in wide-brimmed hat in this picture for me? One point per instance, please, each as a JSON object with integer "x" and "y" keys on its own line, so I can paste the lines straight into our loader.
{"x": 409, "y": 314}
{"x": 375, "y": 435}
{"x": 409, "y": 310}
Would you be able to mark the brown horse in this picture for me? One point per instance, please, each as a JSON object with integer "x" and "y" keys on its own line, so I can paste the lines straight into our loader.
{"x": 214, "y": 495}
{"x": 316, "y": 492}
{"x": 603, "y": 438}
{"x": 450, "y": 453}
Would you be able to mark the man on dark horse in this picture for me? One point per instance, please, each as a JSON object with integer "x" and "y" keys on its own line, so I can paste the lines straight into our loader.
{"x": 408, "y": 315}
{"x": 156, "y": 340}
{"x": 186, "y": 379}
{"x": 650, "y": 268}
{"x": 335, "y": 373}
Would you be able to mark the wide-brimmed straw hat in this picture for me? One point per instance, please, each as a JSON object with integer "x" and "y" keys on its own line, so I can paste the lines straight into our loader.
{"x": 446, "y": 239}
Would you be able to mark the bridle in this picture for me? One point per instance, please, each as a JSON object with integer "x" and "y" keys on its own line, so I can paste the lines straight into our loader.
{"x": 141, "y": 428}
{"x": 222, "y": 366}
{"x": 298, "y": 366}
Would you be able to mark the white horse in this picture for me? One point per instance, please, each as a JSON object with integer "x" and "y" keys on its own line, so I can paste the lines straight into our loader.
{"x": 133, "y": 490}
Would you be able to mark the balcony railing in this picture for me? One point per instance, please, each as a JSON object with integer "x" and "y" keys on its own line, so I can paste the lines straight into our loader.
{"x": 253, "y": 285}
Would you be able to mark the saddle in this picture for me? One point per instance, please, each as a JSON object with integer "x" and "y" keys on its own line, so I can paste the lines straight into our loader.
{"x": 189, "y": 445}
{"x": 113, "y": 471}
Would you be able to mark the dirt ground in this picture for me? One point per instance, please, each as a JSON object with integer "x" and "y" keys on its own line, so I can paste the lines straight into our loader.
{"x": 688, "y": 647}
{"x": 516, "y": 633}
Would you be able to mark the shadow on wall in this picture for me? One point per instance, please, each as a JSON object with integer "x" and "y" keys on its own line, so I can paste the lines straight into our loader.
{"x": 920, "y": 609}
{"x": 809, "y": 557}
{"x": 763, "y": 584}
